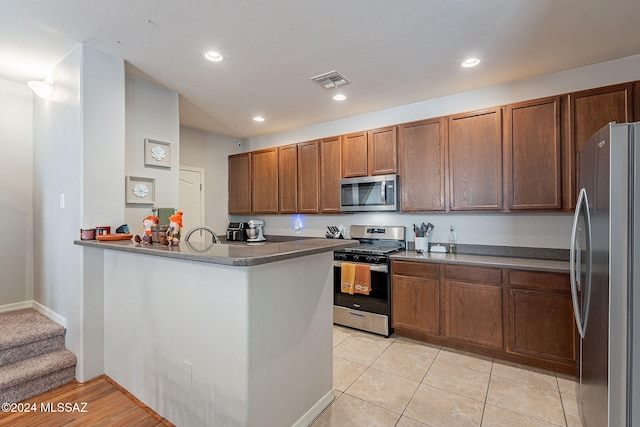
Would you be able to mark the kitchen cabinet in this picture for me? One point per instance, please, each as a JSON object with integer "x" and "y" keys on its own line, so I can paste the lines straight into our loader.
{"x": 240, "y": 184}
{"x": 264, "y": 181}
{"x": 354, "y": 155}
{"x": 473, "y": 305}
{"x": 540, "y": 316}
{"x": 415, "y": 296}
{"x": 517, "y": 315}
{"x": 308, "y": 177}
{"x": 330, "y": 174}
{"x": 533, "y": 155}
{"x": 475, "y": 161}
{"x": 589, "y": 111}
{"x": 422, "y": 165}
{"x": 382, "y": 156}
{"x": 288, "y": 179}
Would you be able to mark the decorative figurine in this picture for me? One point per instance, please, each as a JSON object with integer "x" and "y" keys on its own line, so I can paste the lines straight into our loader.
{"x": 147, "y": 223}
{"x": 175, "y": 226}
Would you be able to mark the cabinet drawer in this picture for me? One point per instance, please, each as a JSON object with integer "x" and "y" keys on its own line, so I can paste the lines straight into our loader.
{"x": 418, "y": 269}
{"x": 473, "y": 274}
{"x": 553, "y": 282}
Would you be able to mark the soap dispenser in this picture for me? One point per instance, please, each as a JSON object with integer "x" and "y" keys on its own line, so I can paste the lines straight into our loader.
{"x": 452, "y": 240}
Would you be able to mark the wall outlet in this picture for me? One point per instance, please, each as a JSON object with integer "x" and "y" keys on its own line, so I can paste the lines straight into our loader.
{"x": 186, "y": 374}
{"x": 62, "y": 201}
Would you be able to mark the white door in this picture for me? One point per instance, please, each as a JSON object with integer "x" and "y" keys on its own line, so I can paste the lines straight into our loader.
{"x": 192, "y": 201}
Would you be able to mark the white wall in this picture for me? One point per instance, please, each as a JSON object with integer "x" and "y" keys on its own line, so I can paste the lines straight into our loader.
{"x": 16, "y": 192}
{"x": 78, "y": 140}
{"x": 210, "y": 151}
{"x": 530, "y": 230}
{"x": 151, "y": 112}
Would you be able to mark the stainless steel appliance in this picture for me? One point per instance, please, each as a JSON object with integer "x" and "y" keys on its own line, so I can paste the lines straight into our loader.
{"x": 369, "y": 194}
{"x": 254, "y": 230}
{"x": 371, "y": 312}
{"x": 605, "y": 265}
{"x": 236, "y": 232}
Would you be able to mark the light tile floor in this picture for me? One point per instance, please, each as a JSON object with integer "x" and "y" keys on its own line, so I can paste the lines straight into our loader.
{"x": 400, "y": 382}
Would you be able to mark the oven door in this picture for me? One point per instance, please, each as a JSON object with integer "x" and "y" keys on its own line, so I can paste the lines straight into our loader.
{"x": 378, "y": 299}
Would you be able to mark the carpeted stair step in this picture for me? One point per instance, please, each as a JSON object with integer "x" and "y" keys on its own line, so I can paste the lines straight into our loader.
{"x": 27, "y": 378}
{"x": 26, "y": 333}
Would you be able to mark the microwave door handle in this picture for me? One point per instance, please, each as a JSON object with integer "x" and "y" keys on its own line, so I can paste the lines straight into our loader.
{"x": 383, "y": 192}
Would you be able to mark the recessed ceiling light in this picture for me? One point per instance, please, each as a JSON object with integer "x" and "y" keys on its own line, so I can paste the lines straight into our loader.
{"x": 213, "y": 56}
{"x": 258, "y": 119}
{"x": 339, "y": 97}
{"x": 471, "y": 62}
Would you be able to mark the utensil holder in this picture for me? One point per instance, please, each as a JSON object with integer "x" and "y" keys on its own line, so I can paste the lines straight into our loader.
{"x": 421, "y": 244}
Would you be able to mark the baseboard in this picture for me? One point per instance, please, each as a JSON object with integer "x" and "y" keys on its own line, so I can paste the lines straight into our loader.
{"x": 315, "y": 410}
{"x": 37, "y": 307}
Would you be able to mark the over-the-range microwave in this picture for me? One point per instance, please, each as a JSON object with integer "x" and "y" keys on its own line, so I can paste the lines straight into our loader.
{"x": 369, "y": 194}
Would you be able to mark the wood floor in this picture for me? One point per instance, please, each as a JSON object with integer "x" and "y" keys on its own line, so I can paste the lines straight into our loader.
{"x": 99, "y": 402}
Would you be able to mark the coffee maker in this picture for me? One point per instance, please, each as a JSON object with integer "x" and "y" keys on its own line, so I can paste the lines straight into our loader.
{"x": 254, "y": 231}
{"x": 236, "y": 232}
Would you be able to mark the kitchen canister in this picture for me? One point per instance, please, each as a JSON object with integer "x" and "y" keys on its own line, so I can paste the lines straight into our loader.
{"x": 103, "y": 230}
{"x": 87, "y": 233}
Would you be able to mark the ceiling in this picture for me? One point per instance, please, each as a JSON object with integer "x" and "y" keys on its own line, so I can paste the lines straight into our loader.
{"x": 392, "y": 52}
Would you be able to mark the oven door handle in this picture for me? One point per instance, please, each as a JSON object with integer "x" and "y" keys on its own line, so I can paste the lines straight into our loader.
{"x": 380, "y": 268}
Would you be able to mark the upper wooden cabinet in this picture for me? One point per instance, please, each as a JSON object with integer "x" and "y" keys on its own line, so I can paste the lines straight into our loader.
{"x": 264, "y": 181}
{"x": 475, "y": 160}
{"x": 382, "y": 151}
{"x": 533, "y": 155}
{"x": 330, "y": 162}
{"x": 422, "y": 165}
{"x": 240, "y": 184}
{"x": 354, "y": 155}
{"x": 288, "y": 179}
{"x": 309, "y": 177}
{"x": 589, "y": 111}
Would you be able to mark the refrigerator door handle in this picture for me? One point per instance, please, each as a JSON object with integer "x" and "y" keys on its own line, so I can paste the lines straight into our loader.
{"x": 575, "y": 262}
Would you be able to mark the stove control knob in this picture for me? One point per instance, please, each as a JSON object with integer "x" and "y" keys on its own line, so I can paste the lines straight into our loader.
{"x": 340, "y": 256}
{"x": 372, "y": 259}
{"x": 356, "y": 257}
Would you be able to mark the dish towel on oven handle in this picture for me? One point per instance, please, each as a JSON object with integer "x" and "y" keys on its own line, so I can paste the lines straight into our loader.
{"x": 347, "y": 277}
{"x": 362, "y": 280}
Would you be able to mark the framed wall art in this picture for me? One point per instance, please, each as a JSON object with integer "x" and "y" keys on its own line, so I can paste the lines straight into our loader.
{"x": 140, "y": 190}
{"x": 157, "y": 153}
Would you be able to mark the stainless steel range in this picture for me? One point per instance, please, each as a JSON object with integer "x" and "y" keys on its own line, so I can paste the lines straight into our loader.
{"x": 365, "y": 303}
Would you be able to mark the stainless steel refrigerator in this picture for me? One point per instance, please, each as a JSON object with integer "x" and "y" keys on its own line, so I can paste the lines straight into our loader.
{"x": 605, "y": 265}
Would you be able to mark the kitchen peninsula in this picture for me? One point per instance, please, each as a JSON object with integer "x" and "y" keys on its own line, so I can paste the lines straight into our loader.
{"x": 229, "y": 335}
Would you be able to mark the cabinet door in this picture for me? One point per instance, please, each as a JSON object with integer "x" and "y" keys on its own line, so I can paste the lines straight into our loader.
{"x": 540, "y": 316}
{"x": 330, "y": 156}
{"x": 533, "y": 155}
{"x": 264, "y": 181}
{"x": 354, "y": 155}
{"x": 308, "y": 177}
{"x": 288, "y": 179}
{"x": 383, "y": 151}
{"x": 592, "y": 109}
{"x": 475, "y": 160}
{"x": 422, "y": 159}
{"x": 415, "y": 297}
{"x": 473, "y": 305}
{"x": 240, "y": 184}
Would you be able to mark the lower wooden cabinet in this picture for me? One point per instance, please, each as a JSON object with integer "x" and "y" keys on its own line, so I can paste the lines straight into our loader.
{"x": 473, "y": 305}
{"x": 540, "y": 316}
{"x": 517, "y": 315}
{"x": 416, "y": 297}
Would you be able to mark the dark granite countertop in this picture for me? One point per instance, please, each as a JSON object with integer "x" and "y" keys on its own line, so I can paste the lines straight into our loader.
{"x": 231, "y": 253}
{"x": 485, "y": 261}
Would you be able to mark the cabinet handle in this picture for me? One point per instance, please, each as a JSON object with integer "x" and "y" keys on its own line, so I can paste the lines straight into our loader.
{"x": 575, "y": 264}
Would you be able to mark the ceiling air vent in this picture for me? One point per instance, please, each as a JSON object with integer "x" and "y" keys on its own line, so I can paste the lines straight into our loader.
{"x": 330, "y": 80}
